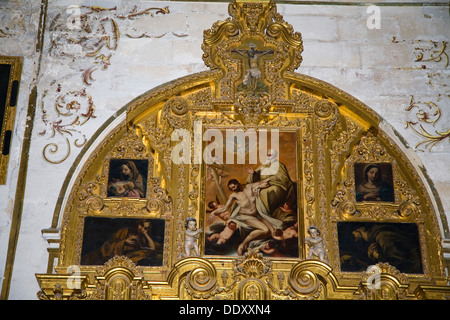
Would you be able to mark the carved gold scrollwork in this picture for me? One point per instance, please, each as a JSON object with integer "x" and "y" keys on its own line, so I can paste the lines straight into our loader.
{"x": 281, "y": 29}
{"x": 155, "y": 205}
{"x": 269, "y": 35}
{"x": 370, "y": 150}
{"x": 90, "y": 199}
{"x": 121, "y": 279}
{"x": 118, "y": 288}
{"x": 304, "y": 281}
{"x": 133, "y": 145}
{"x": 346, "y": 209}
{"x": 324, "y": 108}
{"x": 253, "y": 109}
{"x": 214, "y": 35}
{"x": 327, "y": 113}
{"x": 175, "y": 111}
{"x": 95, "y": 203}
{"x": 407, "y": 209}
{"x": 201, "y": 278}
{"x": 406, "y": 204}
{"x": 178, "y": 106}
{"x": 57, "y": 293}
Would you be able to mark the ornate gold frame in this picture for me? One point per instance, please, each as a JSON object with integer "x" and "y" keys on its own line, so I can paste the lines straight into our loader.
{"x": 335, "y": 131}
{"x": 10, "y": 109}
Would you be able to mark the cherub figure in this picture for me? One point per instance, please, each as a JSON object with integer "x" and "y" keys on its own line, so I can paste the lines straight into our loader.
{"x": 288, "y": 233}
{"x": 123, "y": 189}
{"x": 190, "y": 236}
{"x": 271, "y": 248}
{"x": 213, "y": 205}
{"x": 315, "y": 244}
{"x": 226, "y": 234}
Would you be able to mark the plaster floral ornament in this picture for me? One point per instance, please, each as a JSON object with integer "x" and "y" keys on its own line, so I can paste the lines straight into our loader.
{"x": 84, "y": 38}
{"x": 426, "y": 116}
{"x": 73, "y": 109}
{"x": 435, "y": 52}
{"x": 92, "y": 33}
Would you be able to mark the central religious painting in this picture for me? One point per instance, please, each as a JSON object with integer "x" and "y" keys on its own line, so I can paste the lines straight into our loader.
{"x": 251, "y": 193}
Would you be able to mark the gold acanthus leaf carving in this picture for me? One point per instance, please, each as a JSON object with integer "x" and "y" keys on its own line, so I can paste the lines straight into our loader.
{"x": 132, "y": 146}
{"x": 341, "y": 147}
{"x": 252, "y": 109}
{"x": 176, "y": 112}
{"x": 253, "y": 31}
{"x": 370, "y": 150}
{"x": 383, "y": 282}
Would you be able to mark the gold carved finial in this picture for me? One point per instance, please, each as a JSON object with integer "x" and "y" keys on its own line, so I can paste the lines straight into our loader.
{"x": 253, "y": 49}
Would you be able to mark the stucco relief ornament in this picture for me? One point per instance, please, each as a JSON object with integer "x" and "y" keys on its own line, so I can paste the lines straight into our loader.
{"x": 85, "y": 38}
{"x": 426, "y": 117}
{"x": 72, "y": 110}
{"x": 90, "y": 35}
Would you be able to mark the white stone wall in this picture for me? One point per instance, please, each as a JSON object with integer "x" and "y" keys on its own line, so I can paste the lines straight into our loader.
{"x": 140, "y": 52}
{"x": 18, "y": 34}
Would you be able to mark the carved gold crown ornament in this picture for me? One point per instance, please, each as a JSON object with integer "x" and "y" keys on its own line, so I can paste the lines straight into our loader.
{"x": 158, "y": 234}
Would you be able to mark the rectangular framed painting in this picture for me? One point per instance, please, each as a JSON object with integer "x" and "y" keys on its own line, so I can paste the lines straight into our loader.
{"x": 374, "y": 182}
{"x": 140, "y": 240}
{"x": 251, "y": 193}
{"x": 127, "y": 178}
{"x": 362, "y": 244}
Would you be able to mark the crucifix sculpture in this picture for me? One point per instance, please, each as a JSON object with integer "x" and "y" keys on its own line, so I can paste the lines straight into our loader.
{"x": 253, "y": 73}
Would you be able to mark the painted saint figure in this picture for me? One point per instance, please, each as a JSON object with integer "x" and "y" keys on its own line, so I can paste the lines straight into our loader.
{"x": 246, "y": 213}
{"x": 374, "y": 188}
{"x": 134, "y": 243}
{"x": 396, "y": 244}
{"x": 123, "y": 189}
{"x": 129, "y": 183}
{"x": 261, "y": 201}
{"x": 280, "y": 188}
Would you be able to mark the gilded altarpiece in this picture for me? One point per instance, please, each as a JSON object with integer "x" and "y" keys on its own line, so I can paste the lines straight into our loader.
{"x": 356, "y": 219}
